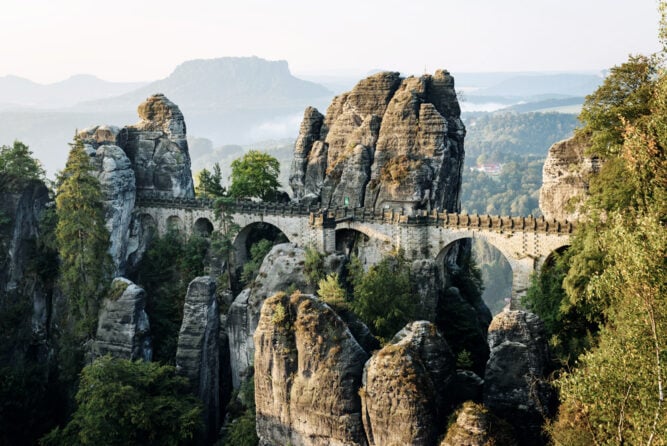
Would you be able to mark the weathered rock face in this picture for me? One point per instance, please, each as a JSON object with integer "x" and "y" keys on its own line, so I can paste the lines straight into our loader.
{"x": 123, "y": 329}
{"x": 390, "y": 142}
{"x": 151, "y": 156}
{"x": 565, "y": 178}
{"x": 476, "y": 426}
{"x": 425, "y": 277}
{"x": 21, "y": 285}
{"x": 282, "y": 267}
{"x": 308, "y": 369}
{"x": 198, "y": 352}
{"x": 158, "y": 149}
{"x": 515, "y": 385}
{"x": 113, "y": 169}
{"x": 404, "y": 394}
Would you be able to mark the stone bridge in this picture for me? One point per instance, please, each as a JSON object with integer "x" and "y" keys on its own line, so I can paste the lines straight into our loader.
{"x": 526, "y": 242}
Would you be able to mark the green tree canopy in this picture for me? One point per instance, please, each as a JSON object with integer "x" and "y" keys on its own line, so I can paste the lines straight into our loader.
{"x": 121, "y": 402}
{"x": 383, "y": 295}
{"x": 209, "y": 184}
{"x": 255, "y": 175}
{"x": 17, "y": 165}
{"x": 82, "y": 239}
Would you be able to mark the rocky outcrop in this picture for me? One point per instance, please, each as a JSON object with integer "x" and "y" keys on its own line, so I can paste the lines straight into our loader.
{"x": 123, "y": 329}
{"x": 404, "y": 393}
{"x": 425, "y": 277}
{"x": 281, "y": 269}
{"x": 390, "y": 142}
{"x": 114, "y": 171}
{"x": 148, "y": 157}
{"x": 515, "y": 385}
{"x": 198, "y": 352}
{"x": 158, "y": 149}
{"x": 308, "y": 369}
{"x": 22, "y": 288}
{"x": 565, "y": 178}
{"x": 476, "y": 426}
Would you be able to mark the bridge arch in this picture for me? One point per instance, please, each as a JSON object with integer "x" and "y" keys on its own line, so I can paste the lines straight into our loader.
{"x": 203, "y": 227}
{"x": 175, "y": 223}
{"x": 254, "y": 232}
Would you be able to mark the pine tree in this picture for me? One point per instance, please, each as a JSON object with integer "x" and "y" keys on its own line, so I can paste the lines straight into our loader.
{"x": 82, "y": 239}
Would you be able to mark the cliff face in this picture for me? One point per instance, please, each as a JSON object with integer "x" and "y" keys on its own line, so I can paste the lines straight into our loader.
{"x": 307, "y": 372}
{"x": 390, "y": 142}
{"x": 150, "y": 156}
{"x": 22, "y": 290}
{"x": 565, "y": 178}
{"x": 404, "y": 393}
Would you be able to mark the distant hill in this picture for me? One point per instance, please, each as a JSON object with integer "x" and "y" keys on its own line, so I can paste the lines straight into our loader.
{"x": 544, "y": 85}
{"x": 18, "y": 92}
{"x": 227, "y": 100}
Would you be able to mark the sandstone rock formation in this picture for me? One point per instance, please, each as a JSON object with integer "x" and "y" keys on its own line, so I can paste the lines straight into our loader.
{"x": 198, "y": 352}
{"x": 123, "y": 329}
{"x": 113, "y": 169}
{"x": 308, "y": 369}
{"x": 158, "y": 149}
{"x": 282, "y": 268}
{"x": 425, "y": 277}
{"x": 565, "y": 178}
{"x": 515, "y": 385}
{"x": 404, "y": 394}
{"x": 21, "y": 285}
{"x": 390, "y": 142}
{"x": 148, "y": 157}
{"x": 476, "y": 426}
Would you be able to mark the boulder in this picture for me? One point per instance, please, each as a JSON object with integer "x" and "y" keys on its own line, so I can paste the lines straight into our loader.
{"x": 308, "y": 370}
{"x": 565, "y": 178}
{"x": 123, "y": 329}
{"x": 476, "y": 426}
{"x": 198, "y": 351}
{"x": 281, "y": 269}
{"x": 515, "y": 383}
{"x": 405, "y": 386}
{"x": 389, "y": 142}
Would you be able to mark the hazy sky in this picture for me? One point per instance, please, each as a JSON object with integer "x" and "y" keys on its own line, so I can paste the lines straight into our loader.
{"x": 131, "y": 40}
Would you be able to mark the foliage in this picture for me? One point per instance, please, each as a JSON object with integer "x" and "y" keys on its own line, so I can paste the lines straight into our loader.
{"x": 17, "y": 166}
{"x": 313, "y": 265}
{"x": 122, "y": 402}
{"x": 331, "y": 292}
{"x": 515, "y": 191}
{"x": 383, "y": 296}
{"x": 165, "y": 272}
{"x": 28, "y": 404}
{"x": 209, "y": 184}
{"x": 255, "y": 175}
{"x": 242, "y": 430}
{"x": 258, "y": 251}
{"x": 464, "y": 360}
{"x": 492, "y": 134}
{"x": 616, "y": 395}
{"x": 623, "y": 97}
{"x": 570, "y": 330}
{"x": 82, "y": 239}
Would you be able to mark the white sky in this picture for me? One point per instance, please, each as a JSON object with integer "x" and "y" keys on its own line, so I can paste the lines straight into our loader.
{"x": 133, "y": 40}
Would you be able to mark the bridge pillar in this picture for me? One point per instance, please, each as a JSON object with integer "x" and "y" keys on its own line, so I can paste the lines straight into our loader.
{"x": 323, "y": 233}
{"x": 521, "y": 272}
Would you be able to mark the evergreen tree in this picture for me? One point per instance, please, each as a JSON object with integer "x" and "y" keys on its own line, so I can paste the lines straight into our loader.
{"x": 17, "y": 165}
{"x": 210, "y": 183}
{"x": 82, "y": 239}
